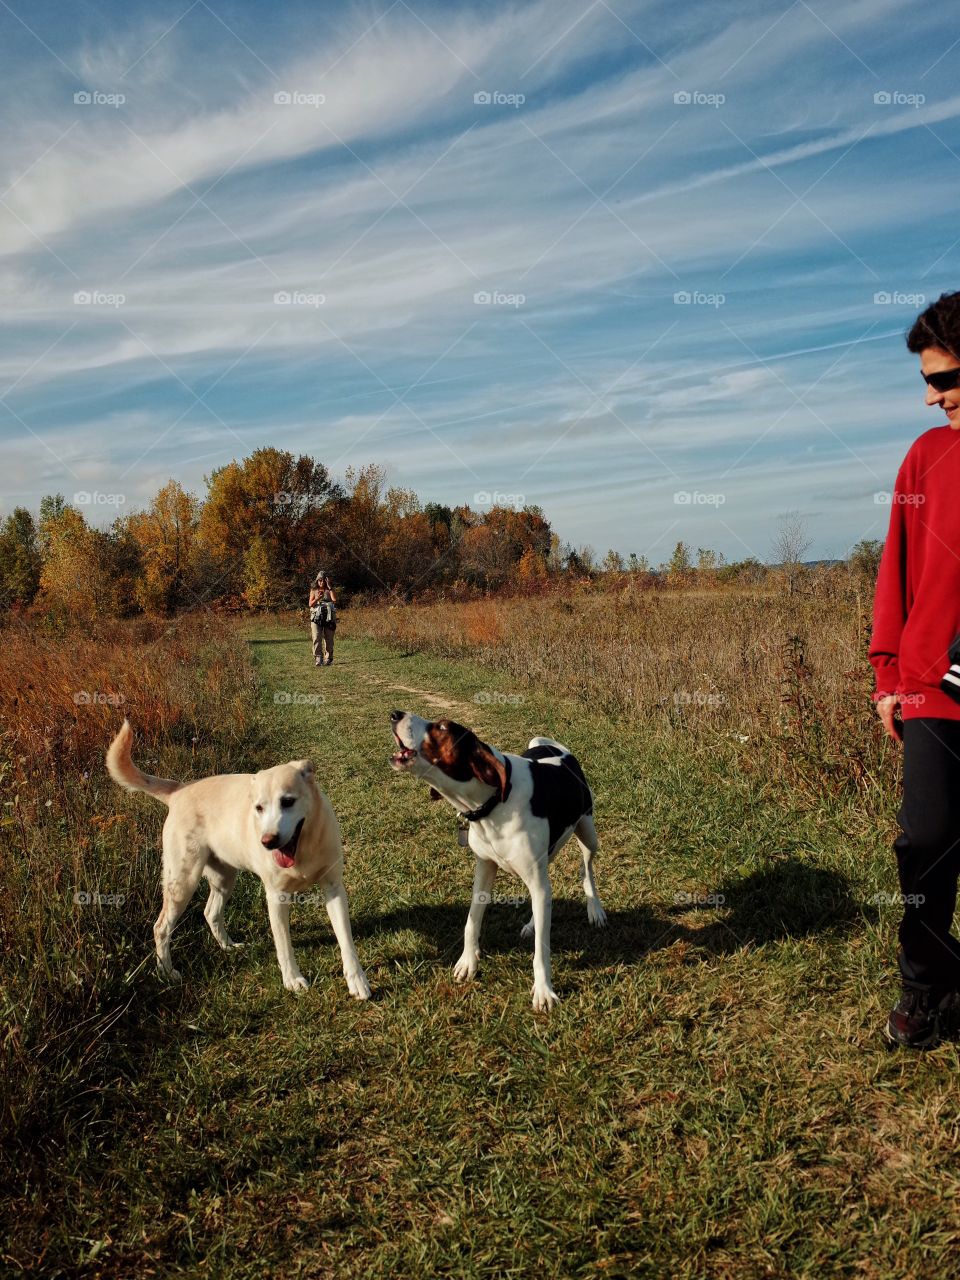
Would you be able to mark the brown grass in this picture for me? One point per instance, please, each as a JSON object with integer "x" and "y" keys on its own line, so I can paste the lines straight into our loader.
{"x": 789, "y": 675}
{"x": 70, "y": 834}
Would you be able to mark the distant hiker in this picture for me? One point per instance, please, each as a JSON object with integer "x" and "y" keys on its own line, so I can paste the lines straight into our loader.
{"x": 915, "y": 654}
{"x": 323, "y": 618}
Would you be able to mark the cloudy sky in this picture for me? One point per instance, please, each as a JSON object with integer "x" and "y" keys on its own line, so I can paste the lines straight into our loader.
{"x": 647, "y": 265}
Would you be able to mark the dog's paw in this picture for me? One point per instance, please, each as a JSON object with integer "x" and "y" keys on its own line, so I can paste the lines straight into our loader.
{"x": 358, "y": 985}
{"x": 465, "y": 968}
{"x": 172, "y": 975}
{"x": 296, "y": 983}
{"x": 595, "y": 913}
{"x": 528, "y": 930}
{"x": 544, "y": 997}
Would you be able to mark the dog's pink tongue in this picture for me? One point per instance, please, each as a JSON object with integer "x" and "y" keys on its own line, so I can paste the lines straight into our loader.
{"x": 282, "y": 859}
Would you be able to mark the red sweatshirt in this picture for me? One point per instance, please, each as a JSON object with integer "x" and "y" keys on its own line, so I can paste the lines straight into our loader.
{"x": 916, "y": 609}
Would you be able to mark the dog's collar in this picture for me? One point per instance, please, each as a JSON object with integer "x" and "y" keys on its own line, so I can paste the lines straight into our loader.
{"x": 488, "y": 806}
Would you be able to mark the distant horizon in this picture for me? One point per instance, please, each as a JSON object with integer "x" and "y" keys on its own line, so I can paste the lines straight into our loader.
{"x": 590, "y": 256}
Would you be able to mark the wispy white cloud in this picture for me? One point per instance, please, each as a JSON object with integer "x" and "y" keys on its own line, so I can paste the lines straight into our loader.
{"x": 400, "y": 198}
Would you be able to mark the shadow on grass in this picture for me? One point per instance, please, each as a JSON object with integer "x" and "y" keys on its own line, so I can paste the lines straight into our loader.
{"x": 792, "y": 899}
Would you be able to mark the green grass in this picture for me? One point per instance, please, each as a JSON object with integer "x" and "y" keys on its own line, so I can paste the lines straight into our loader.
{"x": 712, "y": 1097}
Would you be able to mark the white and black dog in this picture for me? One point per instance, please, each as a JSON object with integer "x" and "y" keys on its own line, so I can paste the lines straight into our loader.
{"x": 521, "y": 810}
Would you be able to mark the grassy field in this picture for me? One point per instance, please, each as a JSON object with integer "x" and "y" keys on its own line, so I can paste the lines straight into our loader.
{"x": 712, "y": 1097}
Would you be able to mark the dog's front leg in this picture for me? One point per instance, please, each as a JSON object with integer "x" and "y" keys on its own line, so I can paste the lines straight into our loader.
{"x": 484, "y": 874}
{"x": 335, "y": 897}
{"x": 541, "y": 899}
{"x": 279, "y": 910}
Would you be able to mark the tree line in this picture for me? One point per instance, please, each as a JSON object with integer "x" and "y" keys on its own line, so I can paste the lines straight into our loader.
{"x": 268, "y": 523}
{"x": 257, "y": 538}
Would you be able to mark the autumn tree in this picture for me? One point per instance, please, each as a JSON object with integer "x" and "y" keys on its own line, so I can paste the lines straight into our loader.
{"x": 20, "y": 561}
{"x": 261, "y": 588}
{"x": 864, "y": 559}
{"x": 579, "y": 561}
{"x": 709, "y": 563}
{"x": 531, "y": 568}
{"x": 166, "y": 536}
{"x": 555, "y": 555}
{"x": 359, "y": 526}
{"x": 69, "y": 563}
{"x": 483, "y": 558}
{"x": 679, "y": 567}
{"x": 278, "y": 498}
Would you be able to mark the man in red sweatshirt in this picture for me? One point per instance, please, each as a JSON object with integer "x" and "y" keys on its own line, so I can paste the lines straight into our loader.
{"x": 916, "y": 619}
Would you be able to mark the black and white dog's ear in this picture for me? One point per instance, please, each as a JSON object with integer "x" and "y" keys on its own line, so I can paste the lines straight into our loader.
{"x": 435, "y": 794}
{"x": 489, "y": 769}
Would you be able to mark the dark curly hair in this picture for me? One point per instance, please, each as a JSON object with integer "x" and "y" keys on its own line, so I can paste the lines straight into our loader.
{"x": 938, "y": 326}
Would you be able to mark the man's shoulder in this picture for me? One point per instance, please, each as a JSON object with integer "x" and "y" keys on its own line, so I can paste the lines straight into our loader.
{"x": 933, "y": 441}
{"x": 926, "y": 451}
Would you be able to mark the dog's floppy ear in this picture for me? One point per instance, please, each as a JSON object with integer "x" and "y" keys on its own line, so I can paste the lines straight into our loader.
{"x": 489, "y": 769}
{"x": 306, "y": 768}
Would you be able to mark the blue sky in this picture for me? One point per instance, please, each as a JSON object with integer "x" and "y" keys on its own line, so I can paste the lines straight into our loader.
{"x": 702, "y": 230}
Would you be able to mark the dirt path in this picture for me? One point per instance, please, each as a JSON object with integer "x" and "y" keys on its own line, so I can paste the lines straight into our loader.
{"x": 435, "y": 699}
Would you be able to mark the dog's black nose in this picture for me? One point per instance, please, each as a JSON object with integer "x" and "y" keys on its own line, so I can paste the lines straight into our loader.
{"x": 396, "y": 715}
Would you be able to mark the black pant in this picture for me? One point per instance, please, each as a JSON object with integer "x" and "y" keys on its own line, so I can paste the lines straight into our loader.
{"x": 928, "y": 852}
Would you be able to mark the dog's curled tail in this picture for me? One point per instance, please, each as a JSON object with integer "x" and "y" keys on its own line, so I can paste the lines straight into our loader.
{"x": 121, "y": 768}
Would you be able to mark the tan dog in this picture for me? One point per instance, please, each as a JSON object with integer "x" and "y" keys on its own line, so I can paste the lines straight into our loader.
{"x": 276, "y": 823}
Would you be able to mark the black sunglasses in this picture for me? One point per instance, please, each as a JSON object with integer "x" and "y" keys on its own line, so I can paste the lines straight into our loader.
{"x": 945, "y": 380}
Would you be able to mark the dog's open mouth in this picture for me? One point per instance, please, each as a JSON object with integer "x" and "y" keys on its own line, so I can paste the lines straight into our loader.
{"x": 401, "y": 758}
{"x": 286, "y": 854}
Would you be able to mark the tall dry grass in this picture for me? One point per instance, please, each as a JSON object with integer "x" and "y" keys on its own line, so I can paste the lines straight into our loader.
{"x": 79, "y": 861}
{"x": 787, "y": 674}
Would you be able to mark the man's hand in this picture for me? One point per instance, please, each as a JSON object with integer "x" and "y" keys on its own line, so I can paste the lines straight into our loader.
{"x": 886, "y": 710}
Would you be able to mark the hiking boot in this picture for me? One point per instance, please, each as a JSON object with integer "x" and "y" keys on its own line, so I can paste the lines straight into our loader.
{"x": 924, "y": 1017}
